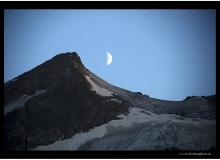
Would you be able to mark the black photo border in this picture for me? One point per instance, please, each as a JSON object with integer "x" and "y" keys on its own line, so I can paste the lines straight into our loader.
{"x": 107, "y": 5}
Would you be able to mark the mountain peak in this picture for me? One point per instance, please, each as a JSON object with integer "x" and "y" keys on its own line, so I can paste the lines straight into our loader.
{"x": 57, "y": 98}
{"x": 70, "y": 58}
{"x": 65, "y": 54}
{"x": 62, "y": 67}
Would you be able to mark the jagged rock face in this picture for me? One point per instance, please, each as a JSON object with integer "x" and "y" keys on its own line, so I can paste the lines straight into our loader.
{"x": 67, "y": 107}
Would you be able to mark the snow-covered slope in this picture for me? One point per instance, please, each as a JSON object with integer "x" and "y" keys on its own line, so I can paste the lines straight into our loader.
{"x": 197, "y": 107}
{"x": 143, "y": 130}
{"x": 133, "y": 98}
{"x": 99, "y": 90}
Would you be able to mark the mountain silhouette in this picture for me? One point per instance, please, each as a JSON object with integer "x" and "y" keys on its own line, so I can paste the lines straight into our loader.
{"x": 61, "y": 105}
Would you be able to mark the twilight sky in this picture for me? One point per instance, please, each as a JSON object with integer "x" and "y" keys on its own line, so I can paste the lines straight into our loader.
{"x": 168, "y": 54}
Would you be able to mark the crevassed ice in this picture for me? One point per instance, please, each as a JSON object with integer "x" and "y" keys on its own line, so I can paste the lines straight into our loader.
{"x": 135, "y": 116}
{"x": 21, "y": 101}
{"x": 99, "y": 90}
{"x": 80, "y": 138}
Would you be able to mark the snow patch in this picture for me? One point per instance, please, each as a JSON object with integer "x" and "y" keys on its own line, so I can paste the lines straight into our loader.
{"x": 99, "y": 90}
{"x": 198, "y": 98}
{"x": 21, "y": 101}
{"x": 203, "y": 99}
{"x": 76, "y": 141}
{"x": 116, "y": 100}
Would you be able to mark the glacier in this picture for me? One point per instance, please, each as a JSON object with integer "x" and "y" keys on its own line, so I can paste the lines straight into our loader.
{"x": 142, "y": 130}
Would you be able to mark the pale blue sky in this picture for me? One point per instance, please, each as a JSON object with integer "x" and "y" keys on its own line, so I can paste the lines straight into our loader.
{"x": 168, "y": 54}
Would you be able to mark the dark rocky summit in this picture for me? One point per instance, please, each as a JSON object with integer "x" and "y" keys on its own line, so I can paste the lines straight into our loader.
{"x": 68, "y": 105}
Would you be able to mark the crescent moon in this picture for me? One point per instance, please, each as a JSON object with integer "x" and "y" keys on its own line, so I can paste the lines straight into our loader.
{"x": 109, "y": 58}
